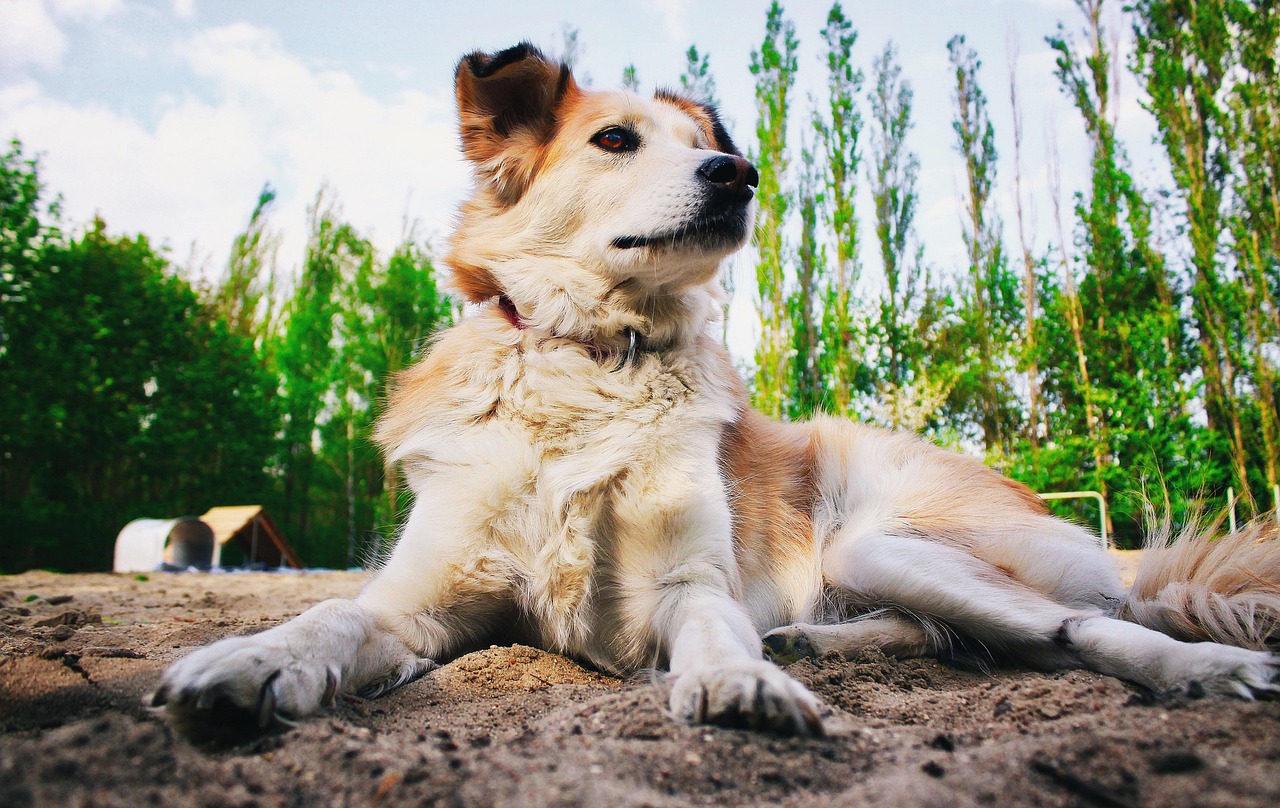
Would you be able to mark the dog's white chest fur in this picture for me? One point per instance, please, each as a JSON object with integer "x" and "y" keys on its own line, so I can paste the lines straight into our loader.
{"x": 571, "y": 473}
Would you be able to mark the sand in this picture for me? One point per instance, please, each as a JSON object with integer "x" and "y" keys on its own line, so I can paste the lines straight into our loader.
{"x": 513, "y": 726}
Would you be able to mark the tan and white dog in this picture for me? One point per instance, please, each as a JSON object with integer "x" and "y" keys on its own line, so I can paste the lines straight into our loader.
{"x": 588, "y": 475}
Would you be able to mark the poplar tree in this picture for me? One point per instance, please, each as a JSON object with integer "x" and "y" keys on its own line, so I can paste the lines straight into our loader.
{"x": 989, "y": 300}
{"x": 838, "y": 133}
{"x": 1183, "y": 55}
{"x": 697, "y": 80}
{"x": 1254, "y": 139}
{"x": 893, "y": 172}
{"x": 807, "y": 394}
{"x": 307, "y": 357}
{"x": 630, "y": 79}
{"x": 774, "y": 67}
{"x": 1030, "y": 281}
{"x": 244, "y": 296}
{"x": 1125, "y": 317}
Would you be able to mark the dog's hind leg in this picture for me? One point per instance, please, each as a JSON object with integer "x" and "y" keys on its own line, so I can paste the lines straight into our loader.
{"x": 982, "y": 603}
{"x": 892, "y": 632}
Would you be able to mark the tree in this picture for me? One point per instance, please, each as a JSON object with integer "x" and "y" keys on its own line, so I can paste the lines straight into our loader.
{"x": 1183, "y": 55}
{"x": 1253, "y": 136}
{"x": 807, "y": 393}
{"x": 697, "y": 80}
{"x": 630, "y": 79}
{"x": 308, "y": 362}
{"x": 1123, "y": 312}
{"x": 989, "y": 307}
{"x": 1030, "y": 284}
{"x": 135, "y": 400}
{"x": 244, "y": 295}
{"x": 774, "y": 67}
{"x": 893, "y": 174}
{"x": 839, "y": 133}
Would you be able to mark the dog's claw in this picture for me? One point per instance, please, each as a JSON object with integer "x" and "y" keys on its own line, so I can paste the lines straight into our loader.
{"x": 331, "y": 683}
{"x": 267, "y": 701}
{"x": 161, "y": 697}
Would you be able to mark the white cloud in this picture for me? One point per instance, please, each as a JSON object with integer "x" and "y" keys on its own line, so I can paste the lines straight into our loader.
{"x": 184, "y": 9}
{"x": 192, "y": 173}
{"x": 675, "y": 19}
{"x": 29, "y": 36}
{"x": 86, "y": 10}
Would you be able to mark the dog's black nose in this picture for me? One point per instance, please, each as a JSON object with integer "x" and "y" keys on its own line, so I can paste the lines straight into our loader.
{"x": 730, "y": 172}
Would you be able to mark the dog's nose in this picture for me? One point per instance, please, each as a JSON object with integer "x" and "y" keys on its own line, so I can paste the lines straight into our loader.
{"x": 730, "y": 172}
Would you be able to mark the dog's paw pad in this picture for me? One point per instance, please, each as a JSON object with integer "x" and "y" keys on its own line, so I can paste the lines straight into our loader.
{"x": 789, "y": 644}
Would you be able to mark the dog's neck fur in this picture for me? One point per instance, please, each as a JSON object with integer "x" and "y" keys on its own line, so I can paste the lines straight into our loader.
{"x": 558, "y": 297}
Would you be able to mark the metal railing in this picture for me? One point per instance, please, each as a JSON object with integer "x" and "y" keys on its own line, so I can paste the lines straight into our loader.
{"x": 1102, "y": 510}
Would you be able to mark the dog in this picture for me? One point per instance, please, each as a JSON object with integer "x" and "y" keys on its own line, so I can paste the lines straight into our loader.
{"x": 588, "y": 476}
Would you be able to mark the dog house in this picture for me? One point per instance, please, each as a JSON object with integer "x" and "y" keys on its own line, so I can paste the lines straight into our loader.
{"x": 246, "y": 534}
{"x": 145, "y": 544}
{"x": 225, "y": 536}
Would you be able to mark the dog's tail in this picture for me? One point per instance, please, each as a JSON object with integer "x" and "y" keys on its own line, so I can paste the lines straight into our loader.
{"x": 1198, "y": 586}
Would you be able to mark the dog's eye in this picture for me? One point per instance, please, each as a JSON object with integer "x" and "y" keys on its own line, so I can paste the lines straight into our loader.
{"x": 616, "y": 139}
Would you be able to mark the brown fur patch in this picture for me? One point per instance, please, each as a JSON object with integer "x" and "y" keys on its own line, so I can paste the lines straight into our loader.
{"x": 1196, "y": 587}
{"x": 508, "y": 106}
{"x": 417, "y": 390}
{"x": 706, "y": 116}
{"x": 768, "y": 470}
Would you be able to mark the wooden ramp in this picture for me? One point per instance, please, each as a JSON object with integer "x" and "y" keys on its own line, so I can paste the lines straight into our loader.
{"x": 253, "y": 533}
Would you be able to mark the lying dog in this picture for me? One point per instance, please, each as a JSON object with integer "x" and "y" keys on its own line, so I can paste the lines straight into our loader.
{"x": 588, "y": 475}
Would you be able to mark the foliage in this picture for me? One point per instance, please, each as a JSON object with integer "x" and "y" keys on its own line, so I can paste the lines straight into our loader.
{"x": 774, "y": 67}
{"x": 124, "y": 396}
{"x": 1137, "y": 353}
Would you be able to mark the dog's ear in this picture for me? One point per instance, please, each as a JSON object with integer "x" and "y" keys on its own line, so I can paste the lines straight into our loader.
{"x": 707, "y": 116}
{"x": 507, "y": 104}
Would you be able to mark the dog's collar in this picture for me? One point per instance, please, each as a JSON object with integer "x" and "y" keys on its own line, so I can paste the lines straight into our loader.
{"x": 635, "y": 342}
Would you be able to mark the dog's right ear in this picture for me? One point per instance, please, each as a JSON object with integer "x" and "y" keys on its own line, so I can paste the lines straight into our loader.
{"x": 507, "y": 105}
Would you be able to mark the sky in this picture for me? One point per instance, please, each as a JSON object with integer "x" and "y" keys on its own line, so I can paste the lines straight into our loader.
{"x": 166, "y": 117}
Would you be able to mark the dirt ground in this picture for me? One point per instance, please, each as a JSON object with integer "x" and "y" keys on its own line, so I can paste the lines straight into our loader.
{"x": 515, "y": 727}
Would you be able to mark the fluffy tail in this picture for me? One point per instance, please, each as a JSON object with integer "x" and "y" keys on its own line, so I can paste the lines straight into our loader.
{"x": 1196, "y": 587}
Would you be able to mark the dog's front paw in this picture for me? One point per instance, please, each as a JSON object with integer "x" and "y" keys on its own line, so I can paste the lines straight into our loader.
{"x": 754, "y": 695}
{"x": 245, "y": 683}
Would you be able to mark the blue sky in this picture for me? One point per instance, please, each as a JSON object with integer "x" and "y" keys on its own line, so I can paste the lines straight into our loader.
{"x": 167, "y": 116}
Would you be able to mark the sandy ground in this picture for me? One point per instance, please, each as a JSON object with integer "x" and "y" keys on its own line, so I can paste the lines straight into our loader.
{"x": 515, "y": 727}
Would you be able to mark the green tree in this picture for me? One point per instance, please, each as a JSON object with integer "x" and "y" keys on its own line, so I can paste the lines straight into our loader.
{"x": 988, "y": 316}
{"x": 630, "y": 78}
{"x": 893, "y": 172}
{"x": 839, "y": 133}
{"x": 307, "y": 358}
{"x": 1183, "y": 54}
{"x": 244, "y": 296}
{"x": 1124, "y": 314}
{"x": 135, "y": 400}
{"x": 774, "y": 67}
{"x": 1253, "y": 133}
{"x": 807, "y": 393}
{"x": 697, "y": 80}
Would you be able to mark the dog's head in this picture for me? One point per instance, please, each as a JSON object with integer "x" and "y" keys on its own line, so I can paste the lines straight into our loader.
{"x": 593, "y": 191}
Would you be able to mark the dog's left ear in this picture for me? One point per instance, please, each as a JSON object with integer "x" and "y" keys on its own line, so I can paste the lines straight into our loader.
{"x": 507, "y": 105}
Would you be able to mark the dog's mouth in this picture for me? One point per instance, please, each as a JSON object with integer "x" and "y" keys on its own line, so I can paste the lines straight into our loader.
{"x": 717, "y": 228}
